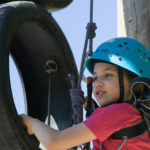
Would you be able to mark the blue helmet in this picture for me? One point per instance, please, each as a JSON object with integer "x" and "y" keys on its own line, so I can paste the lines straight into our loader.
{"x": 124, "y": 52}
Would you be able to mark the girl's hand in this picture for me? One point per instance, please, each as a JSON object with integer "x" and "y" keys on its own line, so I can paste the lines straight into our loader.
{"x": 27, "y": 122}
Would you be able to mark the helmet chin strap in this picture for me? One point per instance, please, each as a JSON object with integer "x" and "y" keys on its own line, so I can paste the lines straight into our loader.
{"x": 121, "y": 84}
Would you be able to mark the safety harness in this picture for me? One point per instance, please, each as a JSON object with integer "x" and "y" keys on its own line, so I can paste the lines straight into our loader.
{"x": 130, "y": 131}
{"x": 140, "y": 104}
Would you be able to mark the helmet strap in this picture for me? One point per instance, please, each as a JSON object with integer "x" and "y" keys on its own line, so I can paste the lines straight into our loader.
{"x": 121, "y": 84}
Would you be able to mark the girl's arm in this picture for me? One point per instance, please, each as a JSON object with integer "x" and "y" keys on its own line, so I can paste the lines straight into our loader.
{"x": 57, "y": 140}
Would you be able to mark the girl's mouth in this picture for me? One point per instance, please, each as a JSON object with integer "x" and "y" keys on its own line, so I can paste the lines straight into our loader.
{"x": 99, "y": 94}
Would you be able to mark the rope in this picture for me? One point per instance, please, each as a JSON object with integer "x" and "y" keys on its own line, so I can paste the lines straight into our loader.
{"x": 77, "y": 97}
{"x": 50, "y": 67}
{"x": 90, "y": 34}
{"x": 49, "y": 99}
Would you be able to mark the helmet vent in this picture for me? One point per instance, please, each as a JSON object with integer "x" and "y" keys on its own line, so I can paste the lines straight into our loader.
{"x": 127, "y": 48}
{"x": 125, "y": 43}
{"x": 146, "y": 60}
{"x": 120, "y": 58}
{"x": 141, "y": 56}
{"x": 139, "y": 50}
{"x": 120, "y": 45}
{"x": 141, "y": 71}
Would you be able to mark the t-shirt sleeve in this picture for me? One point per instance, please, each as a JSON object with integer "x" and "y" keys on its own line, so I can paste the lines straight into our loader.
{"x": 105, "y": 121}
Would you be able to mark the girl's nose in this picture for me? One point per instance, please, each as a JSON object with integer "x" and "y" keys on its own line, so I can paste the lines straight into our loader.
{"x": 98, "y": 83}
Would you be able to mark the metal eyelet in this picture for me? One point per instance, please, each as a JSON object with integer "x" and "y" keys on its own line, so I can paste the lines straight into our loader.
{"x": 141, "y": 71}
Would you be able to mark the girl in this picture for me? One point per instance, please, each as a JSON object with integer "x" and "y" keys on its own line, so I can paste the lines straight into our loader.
{"x": 113, "y": 65}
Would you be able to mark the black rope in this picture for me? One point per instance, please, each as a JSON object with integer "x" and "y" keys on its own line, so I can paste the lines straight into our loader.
{"x": 49, "y": 99}
{"x": 93, "y": 26}
{"x": 50, "y": 68}
{"x": 77, "y": 97}
{"x": 90, "y": 34}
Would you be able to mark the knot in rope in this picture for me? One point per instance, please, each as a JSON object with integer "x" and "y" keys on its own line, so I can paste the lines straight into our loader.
{"x": 77, "y": 97}
{"x": 91, "y": 27}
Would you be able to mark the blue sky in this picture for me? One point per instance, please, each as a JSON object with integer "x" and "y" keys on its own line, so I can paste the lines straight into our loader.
{"x": 73, "y": 20}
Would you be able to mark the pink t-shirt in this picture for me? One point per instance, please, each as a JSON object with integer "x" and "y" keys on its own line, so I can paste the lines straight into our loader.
{"x": 107, "y": 120}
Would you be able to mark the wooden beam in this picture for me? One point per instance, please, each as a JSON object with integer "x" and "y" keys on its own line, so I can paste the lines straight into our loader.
{"x": 134, "y": 20}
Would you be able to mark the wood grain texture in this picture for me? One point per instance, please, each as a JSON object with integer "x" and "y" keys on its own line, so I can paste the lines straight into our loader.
{"x": 134, "y": 20}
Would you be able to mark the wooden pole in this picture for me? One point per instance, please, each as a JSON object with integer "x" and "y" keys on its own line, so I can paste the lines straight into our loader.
{"x": 134, "y": 20}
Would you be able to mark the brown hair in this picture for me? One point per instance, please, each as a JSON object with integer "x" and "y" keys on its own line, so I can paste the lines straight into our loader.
{"x": 139, "y": 88}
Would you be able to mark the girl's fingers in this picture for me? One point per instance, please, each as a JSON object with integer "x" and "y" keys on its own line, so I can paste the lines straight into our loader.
{"x": 26, "y": 121}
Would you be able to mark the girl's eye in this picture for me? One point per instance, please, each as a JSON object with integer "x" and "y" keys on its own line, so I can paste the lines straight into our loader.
{"x": 108, "y": 75}
{"x": 103, "y": 77}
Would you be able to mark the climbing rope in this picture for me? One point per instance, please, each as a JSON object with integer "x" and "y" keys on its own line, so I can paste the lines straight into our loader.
{"x": 77, "y": 95}
{"x": 90, "y": 34}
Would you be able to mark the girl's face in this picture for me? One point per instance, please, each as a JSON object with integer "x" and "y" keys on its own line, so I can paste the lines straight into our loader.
{"x": 106, "y": 84}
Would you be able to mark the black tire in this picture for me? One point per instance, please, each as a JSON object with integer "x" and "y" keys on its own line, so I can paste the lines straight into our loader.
{"x": 48, "y": 4}
{"x": 32, "y": 36}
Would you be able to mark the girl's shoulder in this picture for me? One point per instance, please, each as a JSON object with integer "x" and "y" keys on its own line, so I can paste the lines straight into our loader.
{"x": 116, "y": 108}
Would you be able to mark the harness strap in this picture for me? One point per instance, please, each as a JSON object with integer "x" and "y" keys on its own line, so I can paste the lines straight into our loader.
{"x": 123, "y": 143}
{"x": 130, "y": 131}
{"x": 121, "y": 84}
